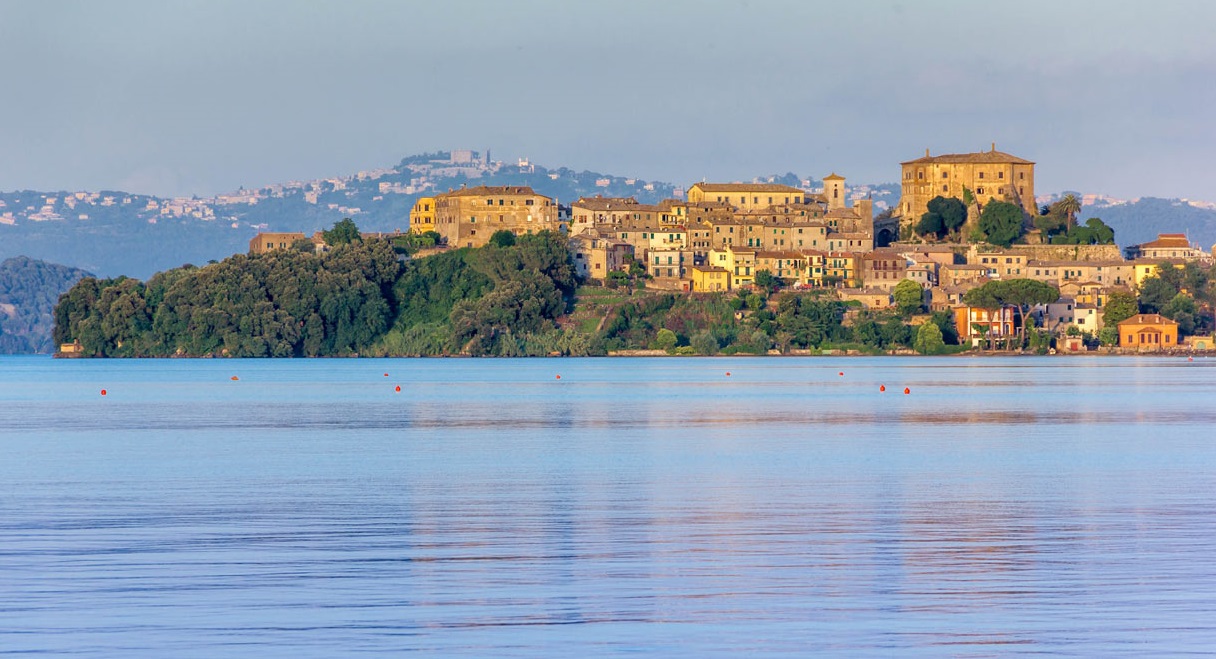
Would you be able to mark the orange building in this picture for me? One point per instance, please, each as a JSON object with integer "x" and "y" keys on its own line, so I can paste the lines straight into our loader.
{"x": 1148, "y": 332}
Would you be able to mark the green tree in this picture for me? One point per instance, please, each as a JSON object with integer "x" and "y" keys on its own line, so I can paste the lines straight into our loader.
{"x": 665, "y": 340}
{"x": 1001, "y": 222}
{"x": 704, "y": 343}
{"x": 766, "y": 281}
{"x": 1021, "y": 294}
{"x": 1155, "y": 293}
{"x": 503, "y": 238}
{"x": 1120, "y": 306}
{"x": 344, "y": 232}
{"x": 1181, "y": 309}
{"x": 909, "y": 297}
{"x": 929, "y": 340}
{"x": 1069, "y": 206}
{"x": 930, "y": 224}
{"x": 945, "y": 322}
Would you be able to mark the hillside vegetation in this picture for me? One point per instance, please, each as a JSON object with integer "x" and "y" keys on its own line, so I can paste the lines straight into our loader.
{"x": 514, "y": 297}
{"x": 29, "y": 289}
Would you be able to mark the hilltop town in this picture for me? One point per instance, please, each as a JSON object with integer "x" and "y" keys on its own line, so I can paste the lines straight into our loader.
{"x": 962, "y": 223}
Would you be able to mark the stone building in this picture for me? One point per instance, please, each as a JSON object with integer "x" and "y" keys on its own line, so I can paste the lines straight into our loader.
{"x": 265, "y": 242}
{"x": 746, "y": 196}
{"x": 469, "y": 216}
{"x": 987, "y": 174}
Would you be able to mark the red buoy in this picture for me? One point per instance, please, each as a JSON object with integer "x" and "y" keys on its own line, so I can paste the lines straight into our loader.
{"x": 728, "y": 374}
{"x": 398, "y": 389}
{"x": 386, "y": 375}
{"x": 882, "y": 387}
{"x": 840, "y": 373}
{"x": 907, "y": 390}
{"x": 558, "y": 377}
{"x": 103, "y": 392}
{"x": 235, "y": 378}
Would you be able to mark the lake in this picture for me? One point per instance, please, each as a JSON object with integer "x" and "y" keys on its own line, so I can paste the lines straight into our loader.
{"x": 674, "y": 506}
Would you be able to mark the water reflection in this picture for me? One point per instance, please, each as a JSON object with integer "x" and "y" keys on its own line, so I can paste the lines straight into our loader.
{"x": 1039, "y": 510}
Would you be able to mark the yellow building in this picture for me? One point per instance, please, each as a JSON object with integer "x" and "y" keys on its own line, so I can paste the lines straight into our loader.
{"x": 740, "y": 262}
{"x": 1145, "y": 268}
{"x": 468, "y": 217}
{"x": 264, "y": 242}
{"x": 842, "y": 266}
{"x": 746, "y": 196}
{"x": 422, "y": 215}
{"x": 988, "y": 175}
{"x": 1148, "y": 332}
{"x": 707, "y": 278}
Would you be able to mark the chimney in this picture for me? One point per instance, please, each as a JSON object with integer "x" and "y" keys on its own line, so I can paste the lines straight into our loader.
{"x": 994, "y": 147}
{"x": 926, "y": 152}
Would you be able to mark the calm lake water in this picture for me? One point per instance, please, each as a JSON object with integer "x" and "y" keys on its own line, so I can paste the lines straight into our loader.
{"x": 1062, "y": 506}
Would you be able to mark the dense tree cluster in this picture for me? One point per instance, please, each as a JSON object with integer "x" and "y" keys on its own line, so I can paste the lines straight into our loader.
{"x": 945, "y": 215}
{"x": 29, "y": 289}
{"x": 1182, "y": 294}
{"x": 355, "y": 299}
{"x": 280, "y": 304}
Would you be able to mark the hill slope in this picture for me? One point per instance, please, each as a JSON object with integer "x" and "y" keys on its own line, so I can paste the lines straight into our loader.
{"x": 29, "y": 290}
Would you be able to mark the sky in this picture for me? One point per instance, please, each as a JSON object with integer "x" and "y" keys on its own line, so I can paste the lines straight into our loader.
{"x": 201, "y": 97}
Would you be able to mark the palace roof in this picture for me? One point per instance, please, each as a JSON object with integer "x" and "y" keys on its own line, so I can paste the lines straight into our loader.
{"x": 992, "y": 157}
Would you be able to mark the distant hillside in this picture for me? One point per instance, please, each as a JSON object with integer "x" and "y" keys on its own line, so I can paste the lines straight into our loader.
{"x": 29, "y": 290}
{"x": 1141, "y": 221}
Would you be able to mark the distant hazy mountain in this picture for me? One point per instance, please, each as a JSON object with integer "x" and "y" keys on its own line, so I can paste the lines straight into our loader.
{"x": 1140, "y": 221}
{"x": 29, "y": 290}
{"x": 117, "y": 233}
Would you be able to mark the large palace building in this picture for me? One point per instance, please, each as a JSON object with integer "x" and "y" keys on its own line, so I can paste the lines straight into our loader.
{"x": 468, "y": 217}
{"x": 988, "y": 175}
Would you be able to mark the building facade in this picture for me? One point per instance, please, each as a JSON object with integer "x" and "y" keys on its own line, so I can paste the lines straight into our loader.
{"x": 422, "y": 215}
{"x": 987, "y": 175}
{"x": 468, "y": 217}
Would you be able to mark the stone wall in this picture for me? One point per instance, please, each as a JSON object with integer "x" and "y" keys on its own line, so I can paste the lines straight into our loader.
{"x": 1068, "y": 252}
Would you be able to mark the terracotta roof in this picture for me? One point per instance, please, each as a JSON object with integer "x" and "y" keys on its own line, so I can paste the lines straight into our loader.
{"x": 745, "y": 187}
{"x": 606, "y": 203}
{"x": 488, "y": 190}
{"x": 833, "y": 177}
{"x": 1169, "y": 240}
{"x": 983, "y": 157}
{"x": 1147, "y": 319}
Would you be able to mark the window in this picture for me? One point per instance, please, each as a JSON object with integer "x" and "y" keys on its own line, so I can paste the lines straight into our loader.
{"x": 945, "y": 188}
{"x": 500, "y": 202}
{"x": 981, "y": 176}
{"x": 979, "y": 191}
{"x": 528, "y": 202}
{"x": 920, "y": 176}
{"x": 489, "y": 202}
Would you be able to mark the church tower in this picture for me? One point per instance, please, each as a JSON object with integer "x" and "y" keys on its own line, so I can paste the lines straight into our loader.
{"x": 833, "y": 190}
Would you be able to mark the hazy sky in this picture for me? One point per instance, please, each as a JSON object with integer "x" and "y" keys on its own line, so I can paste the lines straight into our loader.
{"x": 202, "y": 97}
